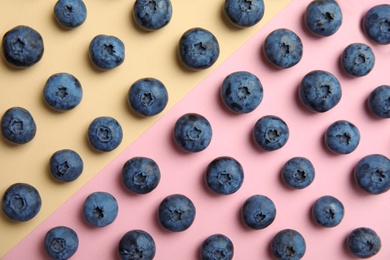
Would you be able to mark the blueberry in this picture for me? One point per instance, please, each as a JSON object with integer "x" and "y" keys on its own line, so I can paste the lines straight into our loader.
{"x": 70, "y": 13}
{"x": 270, "y": 133}
{"x": 241, "y": 92}
{"x": 323, "y": 17}
{"x": 328, "y": 211}
{"x": 106, "y": 52}
{"x": 379, "y": 101}
{"x": 100, "y": 209}
{"x": 364, "y": 242}
{"x": 342, "y": 137}
{"x": 258, "y": 212}
{"x": 283, "y": 48}
{"x": 244, "y": 13}
{"x": 18, "y": 126}
{"x": 140, "y": 175}
{"x": 217, "y": 246}
{"x": 376, "y": 23}
{"x": 136, "y": 244}
{"x": 22, "y": 46}
{"x": 224, "y": 175}
{"x": 288, "y": 244}
{"x": 61, "y": 243}
{"x": 66, "y": 165}
{"x": 372, "y": 173}
{"x": 21, "y": 202}
{"x": 176, "y": 213}
{"x": 319, "y": 91}
{"x": 358, "y": 59}
{"x": 105, "y": 133}
{"x": 62, "y": 91}
{"x": 192, "y": 132}
{"x": 152, "y": 14}
{"x": 147, "y": 96}
{"x": 198, "y": 49}
{"x": 298, "y": 172}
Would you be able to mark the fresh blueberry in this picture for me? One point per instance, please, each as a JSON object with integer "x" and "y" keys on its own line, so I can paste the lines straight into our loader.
{"x": 192, "y": 132}
{"x": 106, "y": 51}
{"x": 288, "y": 244}
{"x": 270, "y": 133}
{"x": 319, "y": 91}
{"x": 342, "y": 137}
{"x": 283, "y": 48}
{"x": 323, "y": 17}
{"x": 66, "y": 165}
{"x": 241, "y": 92}
{"x": 217, "y": 246}
{"x": 152, "y": 15}
{"x": 358, "y": 59}
{"x": 176, "y": 213}
{"x": 244, "y": 13}
{"x": 22, "y": 46}
{"x": 364, "y": 242}
{"x": 21, "y": 202}
{"x": 137, "y": 244}
{"x": 258, "y": 212}
{"x": 100, "y": 209}
{"x": 70, "y": 13}
{"x": 62, "y": 91}
{"x": 372, "y": 173}
{"x": 147, "y": 96}
{"x": 61, "y": 242}
{"x": 105, "y": 133}
{"x": 198, "y": 49}
{"x": 224, "y": 175}
{"x": 379, "y": 101}
{"x": 328, "y": 211}
{"x": 18, "y": 126}
{"x": 376, "y": 24}
{"x": 298, "y": 172}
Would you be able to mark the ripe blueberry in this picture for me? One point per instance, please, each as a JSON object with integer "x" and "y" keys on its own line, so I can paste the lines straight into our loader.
{"x": 217, "y": 246}
{"x": 288, "y": 244}
{"x": 105, "y": 133}
{"x": 136, "y": 244}
{"x": 328, "y": 211}
{"x": 106, "y": 52}
{"x": 270, "y": 133}
{"x": 18, "y": 125}
{"x": 244, "y": 13}
{"x": 152, "y": 14}
{"x": 258, "y": 212}
{"x": 70, "y": 13}
{"x": 66, "y": 165}
{"x": 379, "y": 101}
{"x": 298, "y": 172}
{"x": 100, "y": 209}
{"x": 376, "y": 24}
{"x": 358, "y": 59}
{"x": 364, "y": 242}
{"x": 342, "y": 137}
{"x": 61, "y": 242}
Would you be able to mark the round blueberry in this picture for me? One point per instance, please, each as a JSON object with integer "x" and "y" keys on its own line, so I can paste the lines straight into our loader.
{"x": 100, "y": 209}
{"x": 176, "y": 213}
{"x": 258, "y": 212}
{"x": 358, "y": 59}
{"x": 198, "y": 49}
{"x": 241, "y": 92}
{"x": 364, "y": 242}
{"x": 270, "y": 133}
{"x": 244, "y": 13}
{"x": 66, "y": 165}
{"x": 152, "y": 14}
{"x": 298, "y": 172}
{"x": 21, "y": 202}
{"x": 137, "y": 244}
{"x": 372, "y": 173}
{"x": 18, "y": 126}
{"x": 376, "y": 24}
{"x": 283, "y": 48}
{"x": 61, "y": 243}
{"x": 217, "y": 246}
{"x": 147, "y": 96}
{"x": 70, "y": 13}
{"x": 379, "y": 101}
{"x": 22, "y": 46}
{"x": 105, "y": 133}
{"x": 319, "y": 91}
{"x": 328, "y": 211}
{"x": 106, "y": 52}
{"x": 342, "y": 137}
{"x": 288, "y": 244}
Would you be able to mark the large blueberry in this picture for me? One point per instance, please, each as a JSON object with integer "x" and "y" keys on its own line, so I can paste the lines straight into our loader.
{"x": 66, "y": 165}
{"x": 288, "y": 244}
{"x": 379, "y": 101}
{"x": 106, "y": 52}
{"x": 18, "y": 125}
{"x": 152, "y": 14}
{"x": 376, "y": 23}
{"x": 244, "y": 13}
{"x": 342, "y": 137}
{"x": 270, "y": 133}
{"x": 136, "y": 244}
{"x": 100, "y": 209}
{"x": 358, "y": 59}
{"x": 258, "y": 212}
{"x": 298, "y": 172}
{"x": 364, "y": 242}
{"x": 61, "y": 242}
{"x": 328, "y": 211}
{"x": 105, "y": 133}
{"x": 217, "y": 246}
{"x": 70, "y": 13}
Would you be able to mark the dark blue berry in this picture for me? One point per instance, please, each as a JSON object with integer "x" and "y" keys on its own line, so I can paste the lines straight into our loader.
{"x": 106, "y": 52}
{"x": 379, "y": 101}
{"x": 342, "y": 137}
{"x": 258, "y": 212}
{"x": 364, "y": 242}
{"x": 270, "y": 133}
{"x": 61, "y": 243}
{"x": 135, "y": 245}
{"x": 217, "y": 246}
{"x": 152, "y": 14}
{"x": 70, "y": 13}
{"x": 298, "y": 172}
{"x": 100, "y": 209}
{"x": 358, "y": 59}
{"x": 18, "y": 125}
{"x": 288, "y": 244}
{"x": 66, "y": 165}
{"x": 105, "y": 133}
{"x": 328, "y": 211}
{"x": 376, "y": 24}
{"x": 244, "y": 13}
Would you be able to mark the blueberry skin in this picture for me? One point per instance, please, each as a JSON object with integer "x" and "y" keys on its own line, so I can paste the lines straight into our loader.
{"x": 70, "y": 13}
{"x": 141, "y": 175}
{"x": 192, "y": 132}
{"x": 105, "y": 133}
{"x": 21, "y": 202}
{"x": 244, "y": 13}
{"x": 376, "y": 24}
{"x": 224, "y": 175}
{"x": 323, "y": 17}
{"x": 136, "y": 244}
{"x": 152, "y": 15}
{"x": 283, "y": 48}
{"x": 18, "y": 125}
{"x": 147, "y": 96}
{"x": 176, "y": 213}
{"x": 241, "y": 92}
{"x": 66, "y": 165}
{"x": 372, "y": 173}
{"x": 364, "y": 242}
{"x": 100, "y": 209}
{"x": 298, "y": 172}
{"x": 61, "y": 242}
{"x": 328, "y": 211}
{"x": 379, "y": 101}
{"x": 270, "y": 133}
{"x": 258, "y": 212}
{"x": 288, "y": 244}
{"x": 217, "y": 246}
{"x": 62, "y": 91}
{"x": 319, "y": 91}
{"x": 198, "y": 49}
{"x": 106, "y": 52}
{"x": 358, "y": 59}
{"x": 342, "y": 137}
{"x": 22, "y": 46}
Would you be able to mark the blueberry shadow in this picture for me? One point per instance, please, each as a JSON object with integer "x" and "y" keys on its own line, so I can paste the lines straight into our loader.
{"x": 11, "y": 68}
{"x": 58, "y": 25}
